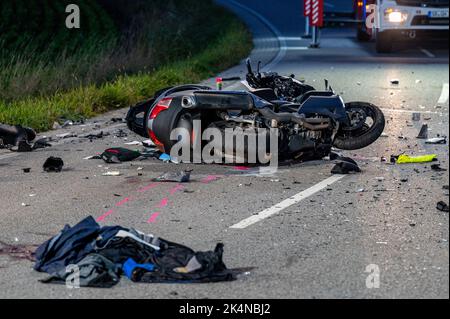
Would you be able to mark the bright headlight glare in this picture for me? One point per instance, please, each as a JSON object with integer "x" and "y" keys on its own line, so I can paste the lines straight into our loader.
{"x": 396, "y": 16}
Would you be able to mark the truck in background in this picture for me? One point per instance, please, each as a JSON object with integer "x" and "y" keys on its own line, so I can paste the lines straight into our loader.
{"x": 391, "y": 21}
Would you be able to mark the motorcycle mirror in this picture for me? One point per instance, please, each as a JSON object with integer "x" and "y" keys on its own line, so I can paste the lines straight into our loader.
{"x": 249, "y": 66}
{"x": 259, "y": 67}
{"x": 326, "y": 85}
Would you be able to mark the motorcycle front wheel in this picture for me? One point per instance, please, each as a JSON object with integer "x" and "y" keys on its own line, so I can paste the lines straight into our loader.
{"x": 367, "y": 125}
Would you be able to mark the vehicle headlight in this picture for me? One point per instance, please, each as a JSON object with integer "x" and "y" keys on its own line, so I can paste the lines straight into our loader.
{"x": 395, "y": 16}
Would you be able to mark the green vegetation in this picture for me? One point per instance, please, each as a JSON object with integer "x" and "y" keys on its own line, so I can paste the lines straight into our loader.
{"x": 123, "y": 53}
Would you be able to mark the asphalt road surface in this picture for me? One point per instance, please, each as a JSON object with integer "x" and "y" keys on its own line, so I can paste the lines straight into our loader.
{"x": 317, "y": 246}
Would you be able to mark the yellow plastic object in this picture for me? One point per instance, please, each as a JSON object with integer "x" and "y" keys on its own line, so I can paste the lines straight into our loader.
{"x": 405, "y": 159}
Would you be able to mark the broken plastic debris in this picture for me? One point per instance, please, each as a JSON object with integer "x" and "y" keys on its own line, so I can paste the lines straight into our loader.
{"x": 66, "y": 135}
{"x": 395, "y": 81}
{"x": 148, "y": 143}
{"x": 178, "y": 177}
{"x": 165, "y": 158}
{"x": 443, "y": 207}
{"x": 119, "y": 155}
{"x": 113, "y": 173}
{"x": 345, "y": 166}
{"x": 438, "y": 168}
{"x": 416, "y": 117}
{"x": 437, "y": 140}
{"x": 134, "y": 143}
{"x": 423, "y": 132}
{"x": 53, "y": 164}
{"x": 41, "y": 143}
{"x": 95, "y": 136}
{"x": 67, "y": 123}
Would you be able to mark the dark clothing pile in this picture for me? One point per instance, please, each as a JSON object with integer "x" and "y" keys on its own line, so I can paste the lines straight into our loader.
{"x": 19, "y": 139}
{"x": 102, "y": 254}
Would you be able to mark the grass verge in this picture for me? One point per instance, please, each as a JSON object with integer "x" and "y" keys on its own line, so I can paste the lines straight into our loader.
{"x": 227, "y": 49}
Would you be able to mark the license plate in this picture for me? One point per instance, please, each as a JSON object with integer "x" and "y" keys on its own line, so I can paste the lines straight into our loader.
{"x": 438, "y": 14}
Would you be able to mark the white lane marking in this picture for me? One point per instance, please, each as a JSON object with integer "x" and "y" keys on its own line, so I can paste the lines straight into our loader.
{"x": 282, "y": 43}
{"x": 296, "y": 48}
{"x": 444, "y": 95}
{"x": 8, "y": 155}
{"x": 287, "y": 203}
{"x": 291, "y": 38}
{"x": 427, "y": 53}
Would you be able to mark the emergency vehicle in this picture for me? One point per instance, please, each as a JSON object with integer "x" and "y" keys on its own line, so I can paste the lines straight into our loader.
{"x": 390, "y": 21}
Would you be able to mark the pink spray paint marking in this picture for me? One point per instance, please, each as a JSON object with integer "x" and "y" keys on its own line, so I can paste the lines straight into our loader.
{"x": 241, "y": 168}
{"x": 153, "y": 218}
{"x": 210, "y": 178}
{"x": 103, "y": 217}
{"x": 177, "y": 188}
{"x": 123, "y": 202}
{"x": 164, "y": 202}
{"x": 146, "y": 188}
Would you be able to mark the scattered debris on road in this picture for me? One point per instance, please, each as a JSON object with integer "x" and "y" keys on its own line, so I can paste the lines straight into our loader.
{"x": 92, "y": 136}
{"x": 112, "y": 173}
{"x": 437, "y": 140}
{"x": 443, "y": 207}
{"x": 423, "y": 134}
{"x": 19, "y": 139}
{"x": 438, "y": 168}
{"x": 406, "y": 159}
{"x": 178, "y": 177}
{"x": 345, "y": 166}
{"x": 53, "y": 165}
{"x": 118, "y": 155}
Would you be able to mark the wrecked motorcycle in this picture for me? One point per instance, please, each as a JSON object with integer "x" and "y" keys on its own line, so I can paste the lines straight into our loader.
{"x": 309, "y": 122}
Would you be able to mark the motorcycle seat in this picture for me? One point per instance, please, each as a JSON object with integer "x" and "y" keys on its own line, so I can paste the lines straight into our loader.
{"x": 302, "y": 99}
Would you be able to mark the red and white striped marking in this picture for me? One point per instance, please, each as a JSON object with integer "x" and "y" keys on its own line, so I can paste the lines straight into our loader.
{"x": 307, "y": 12}
{"x": 317, "y": 13}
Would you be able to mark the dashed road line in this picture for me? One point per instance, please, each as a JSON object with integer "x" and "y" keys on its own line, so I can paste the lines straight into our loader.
{"x": 287, "y": 203}
{"x": 444, "y": 94}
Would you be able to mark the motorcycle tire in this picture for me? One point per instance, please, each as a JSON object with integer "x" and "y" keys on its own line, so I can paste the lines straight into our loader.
{"x": 367, "y": 137}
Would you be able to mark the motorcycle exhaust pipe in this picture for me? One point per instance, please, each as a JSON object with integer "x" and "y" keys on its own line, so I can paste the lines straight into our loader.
{"x": 309, "y": 124}
{"x": 188, "y": 102}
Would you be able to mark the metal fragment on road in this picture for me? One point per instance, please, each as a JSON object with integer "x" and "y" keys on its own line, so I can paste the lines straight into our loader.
{"x": 114, "y": 173}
